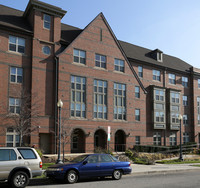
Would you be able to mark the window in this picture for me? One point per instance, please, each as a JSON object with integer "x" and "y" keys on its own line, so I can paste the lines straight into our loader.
{"x": 137, "y": 114}
{"x": 74, "y": 141}
{"x": 119, "y": 65}
{"x": 159, "y": 56}
{"x": 137, "y": 140}
{"x": 14, "y": 105}
{"x": 119, "y": 101}
{"x": 27, "y": 153}
{"x": 156, "y": 75}
{"x": 140, "y": 71}
{"x": 185, "y": 119}
{"x": 175, "y": 97}
{"x": 16, "y": 44}
{"x": 198, "y": 83}
{"x": 92, "y": 159}
{"x": 100, "y": 61}
{"x": 185, "y": 81}
{"x": 79, "y": 56}
{"x": 172, "y": 79}
{"x": 185, "y": 101}
{"x": 157, "y": 139}
{"x": 160, "y": 117}
{"x": 174, "y": 118}
{"x": 47, "y": 21}
{"x": 105, "y": 159}
{"x": 78, "y": 96}
{"x": 159, "y": 95}
{"x": 198, "y": 109}
{"x": 12, "y": 138}
{"x": 7, "y": 155}
{"x": 172, "y": 139}
{"x": 137, "y": 91}
{"x": 175, "y": 108}
{"x": 46, "y": 50}
{"x": 185, "y": 138}
{"x": 100, "y": 99}
{"x": 16, "y": 75}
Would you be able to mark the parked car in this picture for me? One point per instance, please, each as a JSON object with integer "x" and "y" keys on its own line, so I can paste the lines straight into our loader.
{"x": 84, "y": 166}
{"x": 18, "y": 165}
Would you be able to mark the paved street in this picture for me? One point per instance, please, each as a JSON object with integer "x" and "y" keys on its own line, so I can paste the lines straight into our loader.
{"x": 171, "y": 179}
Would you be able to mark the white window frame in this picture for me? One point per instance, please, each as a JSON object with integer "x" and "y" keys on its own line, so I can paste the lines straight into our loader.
{"x": 15, "y": 105}
{"x": 140, "y": 71}
{"x": 184, "y": 81}
{"x": 156, "y": 75}
{"x": 173, "y": 139}
{"x": 137, "y": 114}
{"x": 186, "y": 138}
{"x": 17, "y": 44}
{"x": 172, "y": 78}
{"x": 47, "y": 22}
{"x": 100, "y": 99}
{"x": 15, "y": 138}
{"x": 157, "y": 139}
{"x": 119, "y": 65}
{"x": 16, "y": 74}
{"x": 185, "y": 119}
{"x": 80, "y": 56}
{"x": 185, "y": 100}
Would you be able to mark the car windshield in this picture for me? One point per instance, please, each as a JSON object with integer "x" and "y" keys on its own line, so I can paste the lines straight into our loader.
{"x": 79, "y": 158}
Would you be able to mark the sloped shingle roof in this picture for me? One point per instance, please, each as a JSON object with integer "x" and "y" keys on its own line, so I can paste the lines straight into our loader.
{"x": 13, "y": 18}
{"x": 142, "y": 54}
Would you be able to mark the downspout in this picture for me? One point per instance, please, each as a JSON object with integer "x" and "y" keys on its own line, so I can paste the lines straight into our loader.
{"x": 55, "y": 104}
{"x": 164, "y": 85}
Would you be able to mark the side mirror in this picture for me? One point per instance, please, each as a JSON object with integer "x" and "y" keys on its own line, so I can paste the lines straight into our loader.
{"x": 85, "y": 162}
{"x": 19, "y": 157}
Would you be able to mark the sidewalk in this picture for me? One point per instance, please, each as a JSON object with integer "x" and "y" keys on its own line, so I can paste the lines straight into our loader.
{"x": 138, "y": 169}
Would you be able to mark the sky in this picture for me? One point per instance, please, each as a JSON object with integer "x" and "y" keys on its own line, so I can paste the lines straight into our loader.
{"x": 173, "y": 26}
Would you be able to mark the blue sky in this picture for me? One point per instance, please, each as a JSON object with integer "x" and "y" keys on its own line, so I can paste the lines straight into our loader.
{"x": 172, "y": 26}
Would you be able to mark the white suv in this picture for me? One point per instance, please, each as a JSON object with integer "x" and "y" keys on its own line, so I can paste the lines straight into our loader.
{"x": 18, "y": 165}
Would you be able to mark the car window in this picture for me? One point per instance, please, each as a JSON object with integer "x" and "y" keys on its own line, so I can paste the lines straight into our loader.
{"x": 7, "y": 155}
{"x": 115, "y": 159}
{"x": 27, "y": 153}
{"x": 92, "y": 159}
{"x": 79, "y": 158}
{"x": 105, "y": 158}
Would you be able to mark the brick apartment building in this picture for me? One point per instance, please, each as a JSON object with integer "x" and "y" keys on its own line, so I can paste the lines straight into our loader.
{"x": 101, "y": 80}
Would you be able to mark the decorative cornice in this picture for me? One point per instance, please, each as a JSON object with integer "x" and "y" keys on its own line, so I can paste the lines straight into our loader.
{"x": 44, "y": 7}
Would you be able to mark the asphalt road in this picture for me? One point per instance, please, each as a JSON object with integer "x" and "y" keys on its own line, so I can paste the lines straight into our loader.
{"x": 171, "y": 180}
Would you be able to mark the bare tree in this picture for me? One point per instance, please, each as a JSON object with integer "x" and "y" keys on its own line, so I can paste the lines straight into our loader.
{"x": 24, "y": 120}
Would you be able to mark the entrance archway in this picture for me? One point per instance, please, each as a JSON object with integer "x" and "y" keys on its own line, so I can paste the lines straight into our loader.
{"x": 120, "y": 141}
{"x": 78, "y": 141}
{"x": 100, "y": 140}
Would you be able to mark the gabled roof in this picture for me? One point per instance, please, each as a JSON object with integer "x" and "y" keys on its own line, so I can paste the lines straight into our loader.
{"x": 138, "y": 53}
{"x": 13, "y": 18}
{"x": 69, "y": 33}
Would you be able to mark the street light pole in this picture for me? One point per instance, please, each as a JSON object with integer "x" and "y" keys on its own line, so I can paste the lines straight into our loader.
{"x": 60, "y": 105}
{"x": 180, "y": 157}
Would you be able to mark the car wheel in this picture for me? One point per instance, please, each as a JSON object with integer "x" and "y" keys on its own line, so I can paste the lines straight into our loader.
{"x": 19, "y": 180}
{"x": 72, "y": 177}
{"x": 117, "y": 174}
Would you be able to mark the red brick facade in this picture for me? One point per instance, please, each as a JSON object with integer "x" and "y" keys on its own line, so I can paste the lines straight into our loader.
{"x": 40, "y": 78}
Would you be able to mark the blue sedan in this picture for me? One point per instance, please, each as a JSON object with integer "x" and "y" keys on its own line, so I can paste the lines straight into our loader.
{"x": 84, "y": 166}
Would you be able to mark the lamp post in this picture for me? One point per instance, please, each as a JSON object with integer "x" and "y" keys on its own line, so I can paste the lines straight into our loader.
{"x": 180, "y": 157}
{"x": 59, "y": 105}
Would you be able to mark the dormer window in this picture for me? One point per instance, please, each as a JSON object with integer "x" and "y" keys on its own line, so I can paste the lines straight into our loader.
{"x": 157, "y": 55}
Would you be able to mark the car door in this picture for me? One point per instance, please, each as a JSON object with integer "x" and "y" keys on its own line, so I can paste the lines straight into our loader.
{"x": 90, "y": 167}
{"x": 106, "y": 165}
{"x": 8, "y": 160}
